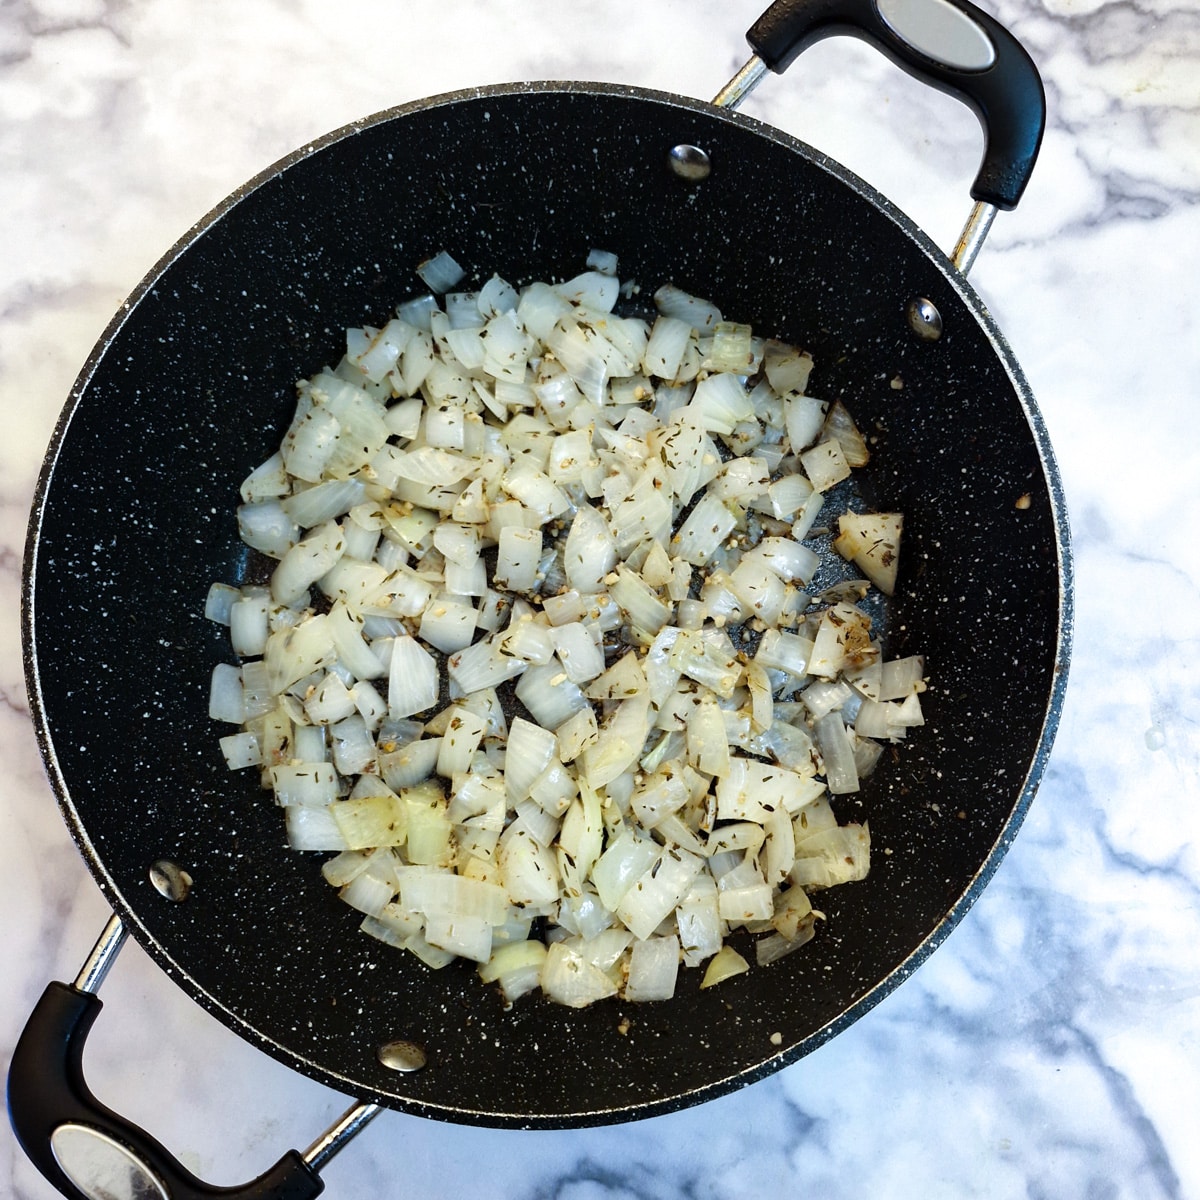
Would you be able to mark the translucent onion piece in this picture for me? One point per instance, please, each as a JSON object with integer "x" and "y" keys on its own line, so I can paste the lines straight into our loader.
{"x": 653, "y": 969}
{"x": 590, "y": 552}
{"x": 568, "y": 978}
{"x": 699, "y": 314}
{"x": 440, "y": 273}
{"x": 412, "y": 680}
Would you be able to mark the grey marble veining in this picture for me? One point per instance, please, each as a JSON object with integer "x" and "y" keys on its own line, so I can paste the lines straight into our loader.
{"x": 1051, "y": 1048}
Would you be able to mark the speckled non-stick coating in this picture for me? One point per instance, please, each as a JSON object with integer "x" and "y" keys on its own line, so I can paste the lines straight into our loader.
{"x": 190, "y": 388}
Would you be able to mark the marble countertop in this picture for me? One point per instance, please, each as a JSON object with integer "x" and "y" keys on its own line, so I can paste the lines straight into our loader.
{"x": 1051, "y": 1048}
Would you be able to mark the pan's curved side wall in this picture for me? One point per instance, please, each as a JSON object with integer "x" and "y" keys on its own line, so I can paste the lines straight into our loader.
{"x": 191, "y": 390}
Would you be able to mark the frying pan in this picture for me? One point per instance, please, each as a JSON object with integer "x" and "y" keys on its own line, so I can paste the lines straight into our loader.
{"x": 190, "y": 387}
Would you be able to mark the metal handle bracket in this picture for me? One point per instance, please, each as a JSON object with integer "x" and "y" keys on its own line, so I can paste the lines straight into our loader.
{"x": 89, "y": 1152}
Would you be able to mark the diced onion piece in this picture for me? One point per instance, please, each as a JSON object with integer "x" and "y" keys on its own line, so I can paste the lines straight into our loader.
{"x": 339, "y": 870}
{"x": 720, "y": 402}
{"x": 368, "y": 893}
{"x": 324, "y": 501}
{"x": 732, "y": 348}
{"x": 625, "y": 860}
{"x": 410, "y": 764}
{"x": 528, "y": 869}
{"x": 593, "y": 289}
{"x": 570, "y": 979}
{"x": 786, "y": 368}
{"x": 241, "y": 750}
{"x": 220, "y": 599}
{"x": 519, "y": 555}
{"x": 872, "y": 542}
{"x": 788, "y": 496}
{"x": 742, "y": 480}
{"x": 576, "y": 734}
{"x": 726, "y": 963}
{"x": 306, "y": 562}
{"x": 708, "y": 525}
{"x": 833, "y": 856}
{"x": 448, "y": 624}
{"x": 639, "y": 601}
{"x": 665, "y": 349}
{"x": 352, "y": 746}
{"x": 297, "y": 651}
{"x": 604, "y": 261}
{"x": 699, "y": 314}
{"x": 805, "y": 416}
{"x": 440, "y": 273}
{"x": 825, "y": 465}
{"x": 529, "y": 752}
{"x": 752, "y": 791}
{"x": 310, "y": 827}
{"x": 479, "y": 667}
{"x": 590, "y": 552}
{"x": 412, "y": 680}
{"x": 620, "y": 741}
{"x": 699, "y": 923}
{"x": 581, "y": 657}
{"x": 464, "y": 732}
{"x": 516, "y": 967}
{"x": 268, "y": 480}
{"x": 226, "y": 699}
{"x": 540, "y": 308}
{"x": 352, "y": 651}
{"x": 549, "y": 695}
{"x": 708, "y": 740}
{"x": 266, "y": 526}
{"x": 840, "y": 426}
{"x": 304, "y": 783}
{"x": 837, "y": 754}
{"x": 792, "y": 561}
{"x": 843, "y": 640}
{"x": 655, "y": 894}
{"x": 653, "y": 968}
{"x": 369, "y": 821}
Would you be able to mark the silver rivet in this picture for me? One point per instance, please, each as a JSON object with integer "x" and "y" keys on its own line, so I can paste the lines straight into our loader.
{"x": 924, "y": 319}
{"x": 170, "y": 880}
{"x": 401, "y": 1055}
{"x": 689, "y": 162}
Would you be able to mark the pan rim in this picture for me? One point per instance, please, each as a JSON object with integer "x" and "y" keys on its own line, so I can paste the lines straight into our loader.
{"x": 882, "y": 987}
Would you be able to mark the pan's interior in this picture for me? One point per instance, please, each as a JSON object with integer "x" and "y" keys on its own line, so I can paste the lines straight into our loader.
{"x": 135, "y": 520}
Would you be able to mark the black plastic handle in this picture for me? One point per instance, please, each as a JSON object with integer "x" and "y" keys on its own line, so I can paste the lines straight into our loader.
{"x": 47, "y": 1090}
{"x": 1006, "y": 93}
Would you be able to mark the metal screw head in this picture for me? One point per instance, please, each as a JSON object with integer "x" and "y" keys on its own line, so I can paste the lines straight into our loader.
{"x": 689, "y": 162}
{"x": 924, "y": 319}
{"x": 401, "y": 1055}
{"x": 170, "y": 880}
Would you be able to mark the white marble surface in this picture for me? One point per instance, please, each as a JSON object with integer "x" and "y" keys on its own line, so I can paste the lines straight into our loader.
{"x": 1052, "y": 1047}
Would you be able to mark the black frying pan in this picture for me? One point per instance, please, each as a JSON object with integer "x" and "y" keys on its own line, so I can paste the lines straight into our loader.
{"x": 191, "y": 386}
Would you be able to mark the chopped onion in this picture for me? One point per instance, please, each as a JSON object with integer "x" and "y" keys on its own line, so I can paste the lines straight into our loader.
{"x": 517, "y": 562}
{"x": 666, "y": 346}
{"x": 523, "y": 493}
{"x": 699, "y": 314}
{"x": 726, "y": 963}
{"x": 550, "y": 695}
{"x": 568, "y": 978}
{"x": 267, "y": 526}
{"x": 412, "y": 680}
{"x": 440, "y": 273}
{"x": 837, "y": 753}
{"x": 710, "y": 522}
{"x": 653, "y": 968}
